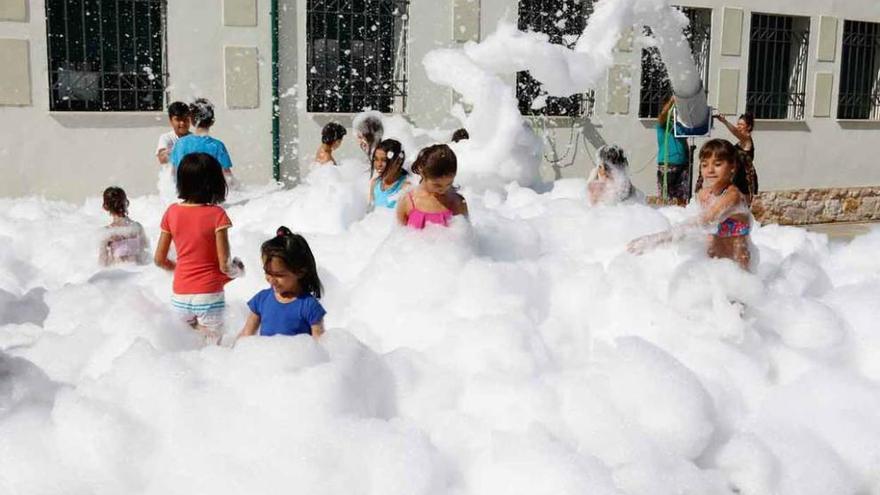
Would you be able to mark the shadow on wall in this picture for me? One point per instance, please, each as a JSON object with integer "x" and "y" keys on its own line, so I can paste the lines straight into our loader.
{"x": 109, "y": 120}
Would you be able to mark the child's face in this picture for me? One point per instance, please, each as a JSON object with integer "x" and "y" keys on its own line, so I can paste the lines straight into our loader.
{"x": 380, "y": 160}
{"x": 362, "y": 142}
{"x": 438, "y": 186}
{"x": 180, "y": 124}
{"x": 282, "y": 280}
{"x": 742, "y": 126}
{"x": 717, "y": 173}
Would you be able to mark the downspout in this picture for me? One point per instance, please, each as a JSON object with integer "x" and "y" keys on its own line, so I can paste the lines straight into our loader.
{"x": 276, "y": 103}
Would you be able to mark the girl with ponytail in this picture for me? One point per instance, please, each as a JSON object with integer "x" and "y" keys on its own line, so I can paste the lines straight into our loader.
{"x": 290, "y": 305}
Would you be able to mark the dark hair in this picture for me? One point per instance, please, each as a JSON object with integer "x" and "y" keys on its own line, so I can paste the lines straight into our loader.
{"x": 200, "y": 179}
{"x": 178, "y": 109}
{"x": 668, "y": 103}
{"x": 371, "y": 128}
{"x": 613, "y": 154}
{"x": 750, "y": 120}
{"x": 436, "y": 161}
{"x": 115, "y": 201}
{"x": 460, "y": 135}
{"x": 293, "y": 250}
{"x": 332, "y": 132}
{"x": 202, "y": 113}
{"x": 394, "y": 154}
{"x": 724, "y": 150}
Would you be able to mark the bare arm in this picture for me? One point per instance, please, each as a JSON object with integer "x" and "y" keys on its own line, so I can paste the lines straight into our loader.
{"x": 461, "y": 207}
{"x": 740, "y": 136}
{"x": 372, "y": 185}
{"x": 250, "y": 326}
{"x": 318, "y": 329}
{"x": 103, "y": 254}
{"x": 222, "y": 238}
{"x": 162, "y": 156}
{"x": 160, "y": 258}
{"x": 402, "y": 211}
{"x": 728, "y": 200}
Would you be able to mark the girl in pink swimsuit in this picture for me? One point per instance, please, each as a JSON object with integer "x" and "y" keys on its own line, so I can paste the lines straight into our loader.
{"x": 724, "y": 210}
{"x": 434, "y": 201}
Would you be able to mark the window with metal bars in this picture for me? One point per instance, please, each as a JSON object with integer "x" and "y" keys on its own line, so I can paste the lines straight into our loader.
{"x": 563, "y": 21}
{"x": 655, "y": 87}
{"x": 106, "y": 55}
{"x": 860, "y": 71}
{"x": 356, "y": 55}
{"x": 777, "y": 82}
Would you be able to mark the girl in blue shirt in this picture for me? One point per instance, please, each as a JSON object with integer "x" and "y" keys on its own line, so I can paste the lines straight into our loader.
{"x": 290, "y": 306}
{"x": 391, "y": 179}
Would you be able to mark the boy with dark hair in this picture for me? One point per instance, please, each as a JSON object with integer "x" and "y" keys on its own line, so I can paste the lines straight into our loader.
{"x": 202, "y": 114}
{"x": 178, "y": 117}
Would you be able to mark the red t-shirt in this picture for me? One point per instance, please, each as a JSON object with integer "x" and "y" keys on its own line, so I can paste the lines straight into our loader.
{"x": 193, "y": 229}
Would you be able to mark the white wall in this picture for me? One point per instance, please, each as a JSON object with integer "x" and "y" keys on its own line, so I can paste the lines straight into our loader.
{"x": 70, "y": 155}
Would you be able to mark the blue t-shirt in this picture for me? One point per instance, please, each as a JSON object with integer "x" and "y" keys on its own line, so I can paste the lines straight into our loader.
{"x": 200, "y": 144}
{"x": 293, "y": 318}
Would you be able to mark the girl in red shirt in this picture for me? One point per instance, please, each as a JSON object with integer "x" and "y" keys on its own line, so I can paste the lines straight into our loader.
{"x": 198, "y": 227}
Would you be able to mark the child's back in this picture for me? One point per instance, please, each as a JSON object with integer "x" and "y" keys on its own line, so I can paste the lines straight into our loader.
{"x": 200, "y": 143}
{"x": 193, "y": 230}
{"x": 124, "y": 241}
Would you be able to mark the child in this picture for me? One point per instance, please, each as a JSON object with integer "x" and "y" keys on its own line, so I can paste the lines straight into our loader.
{"x": 434, "y": 200}
{"x": 198, "y": 226}
{"x": 331, "y": 138}
{"x": 124, "y": 239}
{"x": 722, "y": 204}
{"x": 391, "y": 178}
{"x": 290, "y": 306}
{"x": 202, "y": 114}
{"x": 609, "y": 182}
{"x": 673, "y": 171}
{"x": 369, "y": 131}
{"x": 178, "y": 117}
{"x": 746, "y": 146}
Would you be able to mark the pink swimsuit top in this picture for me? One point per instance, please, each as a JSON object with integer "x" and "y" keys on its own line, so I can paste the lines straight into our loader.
{"x": 418, "y": 219}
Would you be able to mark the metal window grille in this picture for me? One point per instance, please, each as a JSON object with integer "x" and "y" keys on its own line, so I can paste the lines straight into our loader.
{"x": 860, "y": 71}
{"x": 777, "y": 82}
{"x": 564, "y": 22}
{"x": 356, "y": 55}
{"x": 655, "y": 85}
{"x": 106, "y": 55}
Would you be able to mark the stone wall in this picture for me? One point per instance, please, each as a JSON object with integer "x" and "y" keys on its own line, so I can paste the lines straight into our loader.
{"x": 806, "y": 206}
{"x": 809, "y": 206}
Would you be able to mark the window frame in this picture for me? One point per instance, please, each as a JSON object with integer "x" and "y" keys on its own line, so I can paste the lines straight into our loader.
{"x": 788, "y": 104}
{"x": 848, "y": 99}
{"x": 529, "y": 89}
{"x": 92, "y": 81}
{"x": 359, "y": 93}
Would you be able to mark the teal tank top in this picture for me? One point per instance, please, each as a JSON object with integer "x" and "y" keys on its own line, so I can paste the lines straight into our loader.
{"x": 388, "y": 197}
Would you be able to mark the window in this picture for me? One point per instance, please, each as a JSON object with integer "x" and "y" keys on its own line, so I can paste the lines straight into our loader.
{"x": 563, "y": 21}
{"x": 356, "y": 55}
{"x": 860, "y": 71}
{"x": 777, "y": 82}
{"x": 106, "y": 55}
{"x": 656, "y": 87}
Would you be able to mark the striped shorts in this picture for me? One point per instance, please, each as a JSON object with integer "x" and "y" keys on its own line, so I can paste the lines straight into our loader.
{"x": 203, "y": 310}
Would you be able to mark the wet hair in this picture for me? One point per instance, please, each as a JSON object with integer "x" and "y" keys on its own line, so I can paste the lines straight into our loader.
{"x": 460, "y": 135}
{"x": 178, "y": 109}
{"x": 612, "y": 154}
{"x": 115, "y": 201}
{"x": 436, "y": 161}
{"x": 332, "y": 132}
{"x": 200, "y": 179}
{"x": 749, "y": 120}
{"x": 394, "y": 154}
{"x": 202, "y": 113}
{"x": 724, "y": 150}
{"x": 293, "y": 250}
{"x": 370, "y": 127}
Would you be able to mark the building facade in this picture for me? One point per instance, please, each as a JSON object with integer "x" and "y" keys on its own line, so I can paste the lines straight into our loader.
{"x": 85, "y": 83}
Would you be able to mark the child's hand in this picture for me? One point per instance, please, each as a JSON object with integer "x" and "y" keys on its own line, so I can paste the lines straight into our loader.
{"x": 640, "y": 245}
{"x": 235, "y": 268}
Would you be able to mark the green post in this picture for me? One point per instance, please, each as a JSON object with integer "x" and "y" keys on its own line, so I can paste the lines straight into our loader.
{"x": 276, "y": 101}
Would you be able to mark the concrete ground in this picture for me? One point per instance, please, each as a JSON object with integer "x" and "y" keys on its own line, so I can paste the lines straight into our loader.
{"x": 841, "y": 231}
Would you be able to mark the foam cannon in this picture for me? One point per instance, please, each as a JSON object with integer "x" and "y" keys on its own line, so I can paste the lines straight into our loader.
{"x": 693, "y": 116}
